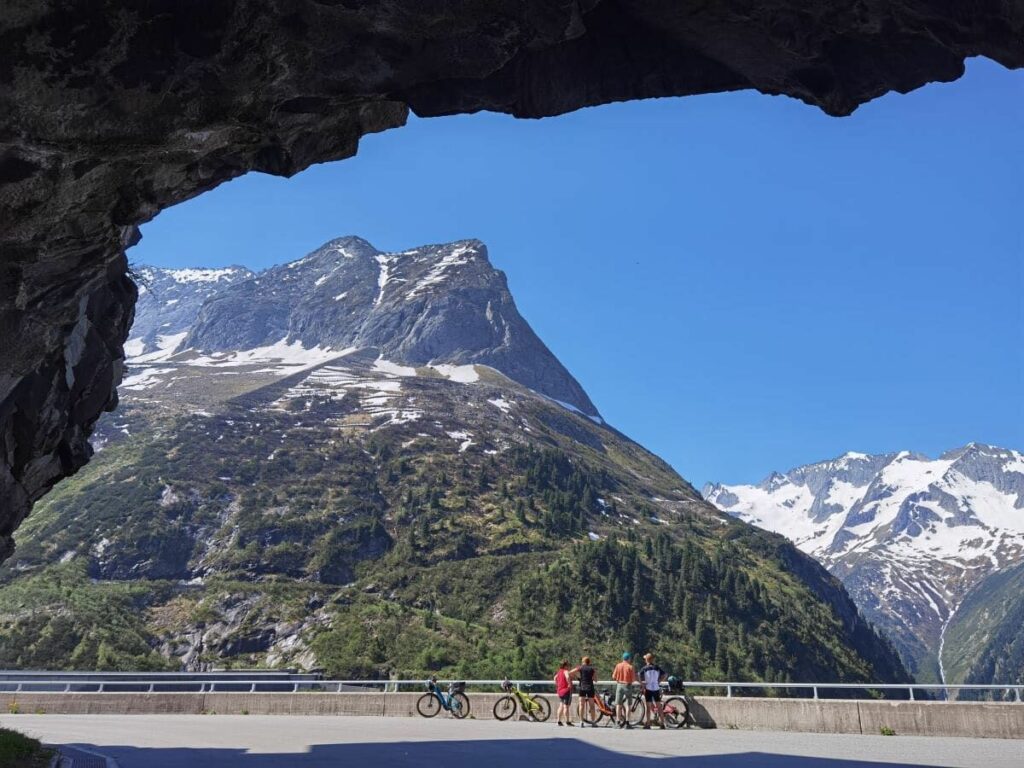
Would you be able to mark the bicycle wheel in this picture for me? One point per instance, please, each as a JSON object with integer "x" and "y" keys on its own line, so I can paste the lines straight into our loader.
{"x": 504, "y": 708}
{"x": 676, "y": 712}
{"x": 428, "y": 705}
{"x": 541, "y": 710}
{"x": 460, "y": 705}
{"x": 589, "y": 715}
{"x": 637, "y": 712}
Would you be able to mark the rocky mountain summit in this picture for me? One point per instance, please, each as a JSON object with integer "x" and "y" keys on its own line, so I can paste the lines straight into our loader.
{"x": 368, "y": 462}
{"x": 909, "y": 536}
{"x": 437, "y": 303}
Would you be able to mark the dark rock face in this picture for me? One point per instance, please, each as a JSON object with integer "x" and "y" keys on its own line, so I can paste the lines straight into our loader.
{"x": 60, "y": 361}
{"x": 111, "y": 111}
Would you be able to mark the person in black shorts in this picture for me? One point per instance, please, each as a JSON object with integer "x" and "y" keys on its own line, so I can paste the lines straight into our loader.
{"x": 587, "y": 676}
{"x": 650, "y": 677}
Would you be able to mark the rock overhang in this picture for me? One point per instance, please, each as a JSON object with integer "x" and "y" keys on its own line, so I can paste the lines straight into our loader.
{"x": 111, "y": 112}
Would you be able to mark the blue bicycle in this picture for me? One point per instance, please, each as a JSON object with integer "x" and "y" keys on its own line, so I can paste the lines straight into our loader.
{"x": 434, "y": 700}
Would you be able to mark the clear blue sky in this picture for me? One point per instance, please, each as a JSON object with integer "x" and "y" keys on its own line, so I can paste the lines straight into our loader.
{"x": 740, "y": 282}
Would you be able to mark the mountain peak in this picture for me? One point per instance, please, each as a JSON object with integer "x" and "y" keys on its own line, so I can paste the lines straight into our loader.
{"x": 974, "y": 448}
{"x": 434, "y": 304}
{"x": 774, "y": 481}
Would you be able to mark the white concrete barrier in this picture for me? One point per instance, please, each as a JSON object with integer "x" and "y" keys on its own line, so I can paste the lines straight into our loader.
{"x": 918, "y": 718}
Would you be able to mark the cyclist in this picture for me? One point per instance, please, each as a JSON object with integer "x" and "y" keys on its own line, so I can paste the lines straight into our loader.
{"x": 651, "y": 675}
{"x": 624, "y": 676}
{"x": 588, "y": 678}
{"x": 563, "y": 689}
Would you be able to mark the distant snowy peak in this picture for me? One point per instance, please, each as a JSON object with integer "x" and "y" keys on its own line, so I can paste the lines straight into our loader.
{"x": 442, "y": 304}
{"x": 908, "y": 535}
{"x": 953, "y": 506}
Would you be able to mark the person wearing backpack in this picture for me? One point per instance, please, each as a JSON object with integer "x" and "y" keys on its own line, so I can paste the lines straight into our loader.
{"x": 563, "y": 689}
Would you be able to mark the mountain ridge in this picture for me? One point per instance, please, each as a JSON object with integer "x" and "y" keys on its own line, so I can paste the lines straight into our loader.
{"x": 327, "y": 299}
{"x": 909, "y": 535}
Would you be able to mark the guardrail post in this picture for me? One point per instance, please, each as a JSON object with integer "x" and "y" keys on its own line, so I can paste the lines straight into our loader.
{"x": 911, "y": 689}
{"x": 18, "y": 689}
{"x": 150, "y": 688}
{"x": 67, "y": 688}
{"x": 100, "y": 690}
{"x": 815, "y": 689}
{"x": 295, "y": 687}
{"x": 728, "y": 691}
{"x": 252, "y": 688}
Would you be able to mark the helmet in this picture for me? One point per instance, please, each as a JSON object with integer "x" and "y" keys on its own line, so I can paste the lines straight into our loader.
{"x": 627, "y": 656}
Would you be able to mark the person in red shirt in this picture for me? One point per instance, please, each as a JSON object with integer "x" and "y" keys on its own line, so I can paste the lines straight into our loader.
{"x": 563, "y": 689}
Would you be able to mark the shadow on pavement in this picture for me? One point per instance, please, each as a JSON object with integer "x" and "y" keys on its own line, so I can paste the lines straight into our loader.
{"x": 504, "y": 753}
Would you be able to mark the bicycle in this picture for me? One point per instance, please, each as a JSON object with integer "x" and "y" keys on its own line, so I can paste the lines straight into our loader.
{"x": 536, "y": 708}
{"x": 434, "y": 700}
{"x": 635, "y": 710}
{"x": 675, "y": 710}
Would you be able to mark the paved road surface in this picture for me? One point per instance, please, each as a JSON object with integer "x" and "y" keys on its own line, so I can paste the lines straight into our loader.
{"x": 238, "y": 741}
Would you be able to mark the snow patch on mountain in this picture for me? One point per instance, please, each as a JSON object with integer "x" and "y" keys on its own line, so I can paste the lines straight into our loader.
{"x": 383, "y": 277}
{"x": 436, "y": 274}
{"x": 464, "y": 374}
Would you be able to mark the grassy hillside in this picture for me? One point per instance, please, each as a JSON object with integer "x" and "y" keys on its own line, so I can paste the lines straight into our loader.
{"x": 492, "y": 535}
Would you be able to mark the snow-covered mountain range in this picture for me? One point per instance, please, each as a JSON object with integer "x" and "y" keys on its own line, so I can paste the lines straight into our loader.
{"x": 908, "y": 535}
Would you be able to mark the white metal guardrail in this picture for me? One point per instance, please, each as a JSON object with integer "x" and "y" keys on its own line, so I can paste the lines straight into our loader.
{"x": 123, "y": 683}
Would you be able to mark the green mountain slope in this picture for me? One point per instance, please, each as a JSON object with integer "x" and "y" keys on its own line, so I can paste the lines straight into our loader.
{"x": 984, "y": 642}
{"x": 474, "y": 529}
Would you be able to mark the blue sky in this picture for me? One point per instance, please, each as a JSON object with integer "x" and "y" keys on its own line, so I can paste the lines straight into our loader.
{"x": 740, "y": 282}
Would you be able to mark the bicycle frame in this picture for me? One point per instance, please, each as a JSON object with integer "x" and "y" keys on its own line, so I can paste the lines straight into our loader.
{"x": 608, "y": 711}
{"x": 527, "y": 703}
{"x": 445, "y": 698}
